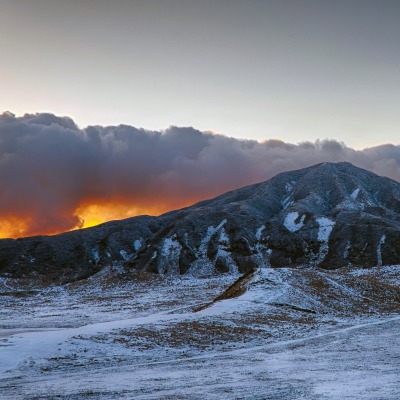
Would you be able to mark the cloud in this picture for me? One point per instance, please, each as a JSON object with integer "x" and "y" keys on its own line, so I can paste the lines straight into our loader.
{"x": 51, "y": 171}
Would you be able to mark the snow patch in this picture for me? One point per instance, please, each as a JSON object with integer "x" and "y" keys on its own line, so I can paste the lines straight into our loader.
{"x": 346, "y": 250}
{"x": 325, "y": 228}
{"x": 137, "y": 244}
{"x": 259, "y": 232}
{"x": 354, "y": 195}
{"x": 290, "y": 223}
{"x": 286, "y": 202}
{"x": 379, "y": 250}
{"x": 263, "y": 253}
{"x": 171, "y": 247}
{"x": 95, "y": 256}
{"x": 124, "y": 255}
{"x": 203, "y": 266}
{"x": 223, "y": 238}
{"x": 210, "y": 231}
{"x": 222, "y": 252}
{"x": 168, "y": 262}
{"x": 289, "y": 189}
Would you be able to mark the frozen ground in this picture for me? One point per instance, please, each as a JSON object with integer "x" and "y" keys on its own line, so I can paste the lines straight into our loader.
{"x": 293, "y": 334}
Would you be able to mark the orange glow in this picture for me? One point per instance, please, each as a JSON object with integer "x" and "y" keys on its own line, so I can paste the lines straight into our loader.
{"x": 90, "y": 215}
{"x": 95, "y": 214}
{"x": 13, "y": 227}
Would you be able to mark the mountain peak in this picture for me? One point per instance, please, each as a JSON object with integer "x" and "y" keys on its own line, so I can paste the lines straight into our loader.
{"x": 328, "y": 215}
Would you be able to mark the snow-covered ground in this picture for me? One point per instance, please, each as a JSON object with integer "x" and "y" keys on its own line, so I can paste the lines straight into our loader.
{"x": 294, "y": 334}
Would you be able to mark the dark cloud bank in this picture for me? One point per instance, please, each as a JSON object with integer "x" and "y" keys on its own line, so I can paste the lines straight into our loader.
{"x": 50, "y": 167}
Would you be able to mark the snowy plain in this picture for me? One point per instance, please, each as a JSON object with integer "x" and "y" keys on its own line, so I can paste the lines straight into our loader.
{"x": 293, "y": 334}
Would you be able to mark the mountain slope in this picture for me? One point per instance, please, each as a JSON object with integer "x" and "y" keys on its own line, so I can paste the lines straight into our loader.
{"x": 328, "y": 215}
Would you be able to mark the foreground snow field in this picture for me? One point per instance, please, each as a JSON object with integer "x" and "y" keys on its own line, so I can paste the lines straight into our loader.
{"x": 292, "y": 334}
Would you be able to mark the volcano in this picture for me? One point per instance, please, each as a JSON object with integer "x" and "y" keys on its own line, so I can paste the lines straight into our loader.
{"x": 329, "y": 216}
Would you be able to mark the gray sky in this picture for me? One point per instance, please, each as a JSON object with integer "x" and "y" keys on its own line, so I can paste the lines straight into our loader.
{"x": 295, "y": 70}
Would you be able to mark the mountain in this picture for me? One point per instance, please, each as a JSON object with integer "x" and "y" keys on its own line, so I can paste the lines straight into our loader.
{"x": 328, "y": 215}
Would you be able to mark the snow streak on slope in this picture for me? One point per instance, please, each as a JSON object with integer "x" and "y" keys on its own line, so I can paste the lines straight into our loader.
{"x": 379, "y": 250}
{"x": 325, "y": 228}
{"x": 355, "y": 193}
{"x": 170, "y": 252}
{"x": 290, "y": 223}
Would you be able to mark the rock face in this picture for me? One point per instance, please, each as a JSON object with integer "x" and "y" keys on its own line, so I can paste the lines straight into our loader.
{"x": 328, "y": 215}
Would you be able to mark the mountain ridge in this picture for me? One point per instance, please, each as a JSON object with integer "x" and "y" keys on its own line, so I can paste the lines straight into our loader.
{"x": 328, "y": 215}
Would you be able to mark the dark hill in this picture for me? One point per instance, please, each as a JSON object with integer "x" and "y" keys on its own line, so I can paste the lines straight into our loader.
{"x": 328, "y": 215}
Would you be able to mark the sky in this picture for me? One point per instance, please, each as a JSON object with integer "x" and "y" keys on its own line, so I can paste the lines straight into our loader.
{"x": 290, "y": 69}
{"x": 114, "y": 109}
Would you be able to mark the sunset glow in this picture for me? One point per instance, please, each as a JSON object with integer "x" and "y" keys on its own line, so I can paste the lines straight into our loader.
{"x": 13, "y": 227}
{"x": 95, "y": 214}
{"x": 91, "y": 215}
{"x": 88, "y": 215}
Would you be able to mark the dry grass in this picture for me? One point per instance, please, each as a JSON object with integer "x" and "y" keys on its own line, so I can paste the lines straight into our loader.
{"x": 194, "y": 334}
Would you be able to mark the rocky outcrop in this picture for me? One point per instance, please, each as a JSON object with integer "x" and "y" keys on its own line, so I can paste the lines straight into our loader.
{"x": 328, "y": 215}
